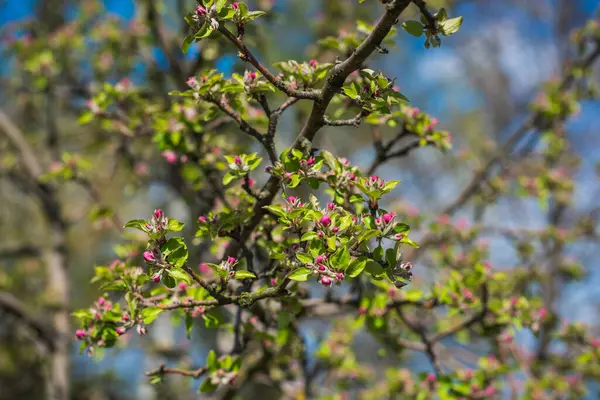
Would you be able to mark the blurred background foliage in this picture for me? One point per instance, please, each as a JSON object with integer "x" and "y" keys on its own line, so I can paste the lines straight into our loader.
{"x": 478, "y": 84}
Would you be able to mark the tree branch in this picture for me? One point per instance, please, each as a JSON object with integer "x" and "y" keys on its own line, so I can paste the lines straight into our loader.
{"x": 11, "y": 305}
{"x": 246, "y": 55}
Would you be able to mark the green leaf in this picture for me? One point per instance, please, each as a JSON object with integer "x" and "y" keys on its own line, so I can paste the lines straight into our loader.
{"x": 331, "y": 243}
{"x": 139, "y": 224}
{"x": 211, "y": 361}
{"x": 207, "y": 386}
{"x": 450, "y": 26}
{"x": 390, "y": 185}
{"x": 340, "y": 258}
{"x": 242, "y": 274}
{"x": 300, "y": 274}
{"x": 304, "y": 258}
{"x": 174, "y": 225}
{"x": 149, "y": 314}
{"x": 228, "y": 178}
{"x": 329, "y": 160}
{"x": 189, "y": 324}
{"x": 277, "y": 210}
{"x": 356, "y": 267}
{"x": 168, "y": 281}
{"x": 219, "y": 4}
{"x": 309, "y": 236}
{"x": 187, "y": 42}
{"x": 368, "y": 235}
{"x": 85, "y": 118}
{"x": 350, "y": 91}
{"x": 415, "y": 28}
{"x": 179, "y": 275}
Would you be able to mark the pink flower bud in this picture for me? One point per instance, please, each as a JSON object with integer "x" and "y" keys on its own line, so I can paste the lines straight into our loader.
{"x": 101, "y": 301}
{"x": 313, "y": 63}
{"x": 345, "y": 161}
{"x": 141, "y": 330}
{"x": 291, "y": 199}
{"x": 490, "y": 391}
{"x": 192, "y": 82}
{"x": 595, "y": 343}
{"x": 335, "y": 229}
{"x": 325, "y": 281}
{"x": 182, "y": 286}
{"x": 201, "y": 10}
{"x": 231, "y": 260}
{"x": 331, "y": 206}
{"x": 320, "y": 234}
{"x": 431, "y": 377}
{"x": 374, "y": 178}
{"x": 320, "y": 259}
{"x": 235, "y": 5}
{"x": 362, "y": 310}
{"x": 310, "y": 161}
{"x": 170, "y": 156}
{"x": 322, "y": 268}
{"x": 351, "y": 176}
{"x": 339, "y": 276}
{"x": 238, "y": 160}
{"x": 80, "y": 334}
{"x": 156, "y": 278}
{"x": 125, "y": 317}
{"x": 325, "y": 220}
{"x": 542, "y": 313}
{"x": 399, "y": 236}
{"x": 158, "y": 213}
{"x": 378, "y": 220}
{"x": 387, "y": 218}
{"x": 120, "y": 330}
{"x": 148, "y": 256}
{"x": 273, "y": 282}
{"x": 250, "y": 182}
{"x": 467, "y": 295}
{"x": 202, "y": 219}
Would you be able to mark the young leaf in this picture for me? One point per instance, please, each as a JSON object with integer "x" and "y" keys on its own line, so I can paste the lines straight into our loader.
{"x": 304, "y": 258}
{"x": 450, "y": 26}
{"x": 149, "y": 314}
{"x": 300, "y": 274}
{"x": 242, "y": 274}
{"x": 340, "y": 258}
{"x": 414, "y": 28}
{"x": 356, "y": 267}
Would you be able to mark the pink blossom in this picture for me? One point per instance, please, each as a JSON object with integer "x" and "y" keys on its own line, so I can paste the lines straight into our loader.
{"x": 158, "y": 213}
{"x": 148, "y": 256}
{"x": 101, "y": 301}
{"x": 182, "y": 286}
{"x": 387, "y": 218}
{"x": 431, "y": 377}
{"x": 192, "y": 82}
{"x": 120, "y": 330}
{"x": 335, "y": 229}
{"x": 201, "y": 10}
{"x": 80, "y": 334}
{"x": 374, "y": 178}
{"x": 204, "y": 268}
{"x": 250, "y": 182}
{"x": 125, "y": 317}
{"x": 313, "y": 63}
{"x": 399, "y": 236}
{"x": 325, "y": 281}
{"x": 542, "y": 313}
{"x": 322, "y": 268}
{"x": 202, "y": 219}
{"x": 325, "y": 220}
{"x": 339, "y": 276}
{"x": 273, "y": 282}
{"x": 310, "y": 161}
{"x": 362, "y": 310}
{"x": 170, "y": 156}
{"x": 490, "y": 391}
{"x": 238, "y": 160}
{"x": 351, "y": 176}
{"x": 235, "y": 5}
{"x": 156, "y": 278}
{"x": 231, "y": 260}
{"x": 320, "y": 259}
